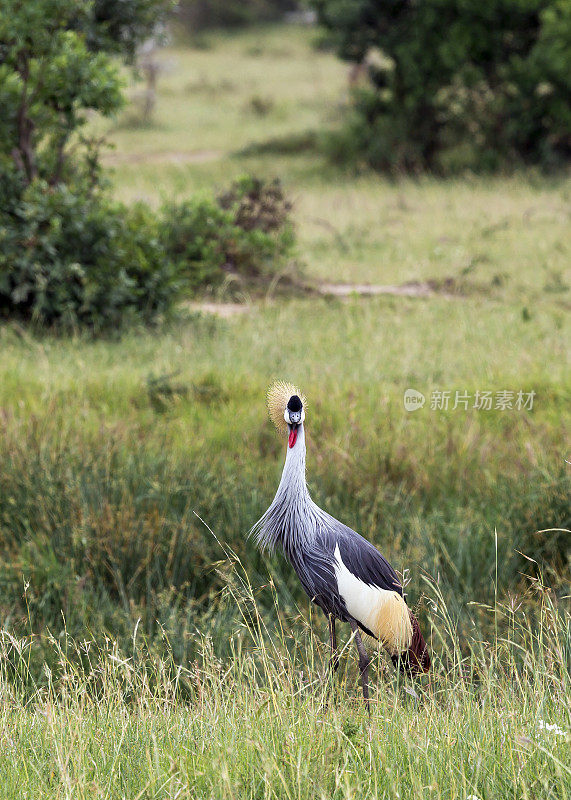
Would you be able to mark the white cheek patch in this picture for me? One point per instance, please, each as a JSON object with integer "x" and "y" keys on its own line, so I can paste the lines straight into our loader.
{"x": 381, "y": 611}
{"x": 288, "y": 418}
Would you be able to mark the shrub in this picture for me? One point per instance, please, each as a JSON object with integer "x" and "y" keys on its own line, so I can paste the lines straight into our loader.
{"x": 74, "y": 259}
{"x": 257, "y": 204}
{"x": 193, "y": 233}
{"x": 456, "y": 84}
{"x": 199, "y": 15}
{"x": 247, "y": 231}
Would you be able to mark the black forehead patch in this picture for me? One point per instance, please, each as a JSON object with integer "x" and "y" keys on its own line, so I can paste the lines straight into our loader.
{"x": 294, "y": 403}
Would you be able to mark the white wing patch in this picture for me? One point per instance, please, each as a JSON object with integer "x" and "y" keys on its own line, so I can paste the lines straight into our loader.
{"x": 382, "y": 611}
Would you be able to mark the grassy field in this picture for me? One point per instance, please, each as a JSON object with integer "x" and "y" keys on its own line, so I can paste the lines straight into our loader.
{"x": 265, "y": 725}
{"x": 195, "y": 684}
{"x": 356, "y": 229}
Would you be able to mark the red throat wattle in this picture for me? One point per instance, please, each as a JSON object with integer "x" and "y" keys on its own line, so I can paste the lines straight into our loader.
{"x": 292, "y": 437}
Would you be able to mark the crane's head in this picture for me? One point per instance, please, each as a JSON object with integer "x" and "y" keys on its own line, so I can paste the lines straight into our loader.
{"x": 286, "y": 406}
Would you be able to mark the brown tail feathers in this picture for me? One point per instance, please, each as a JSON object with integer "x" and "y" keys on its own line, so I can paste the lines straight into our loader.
{"x": 416, "y": 659}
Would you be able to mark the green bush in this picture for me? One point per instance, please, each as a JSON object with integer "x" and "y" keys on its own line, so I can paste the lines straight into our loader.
{"x": 246, "y": 231}
{"x": 199, "y": 15}
{"x": 455, "y": 84}
{"x": 74, "y": 259}
{"x": 121, "y": 27}
{"x": 68, "y": 254}
{"x": 194, "y": 233}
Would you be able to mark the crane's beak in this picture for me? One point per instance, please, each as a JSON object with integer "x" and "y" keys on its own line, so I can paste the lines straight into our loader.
{"x": 292, "y": 438}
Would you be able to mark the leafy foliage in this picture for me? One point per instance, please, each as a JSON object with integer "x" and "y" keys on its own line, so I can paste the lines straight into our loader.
{"x": 80, "y": 259}
{"x": 495, "y": 87}
{"x": 194, "y": 233}
{"x": 48, "y": 81}
{"x": 120, "y": 27}
{"x": 202, "y": 14}
{"x": 68, "y": 254}
{"x": 257, "y": 205}
{"x": 76, "y": 258}
{"x": 247, "y": 230}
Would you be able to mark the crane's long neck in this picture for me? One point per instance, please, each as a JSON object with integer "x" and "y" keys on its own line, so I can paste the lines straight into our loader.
{"x": 290, "y": 518}
{"x": 293, "y": 488}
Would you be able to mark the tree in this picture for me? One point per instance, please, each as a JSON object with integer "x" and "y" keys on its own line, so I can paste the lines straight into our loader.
{"x": 489, "y": 78}
{"x": 67, "y": 253}
{"x": 120, "y": 26}
{"x": 51, "y": 76}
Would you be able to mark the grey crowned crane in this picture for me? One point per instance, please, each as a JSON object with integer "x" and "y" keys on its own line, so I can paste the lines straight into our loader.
{"x": 340, "y": 571}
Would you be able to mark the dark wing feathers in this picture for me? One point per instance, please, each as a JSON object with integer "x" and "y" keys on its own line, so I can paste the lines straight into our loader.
{"x": 315, "y": 566}
{"x": 364, "y": 561}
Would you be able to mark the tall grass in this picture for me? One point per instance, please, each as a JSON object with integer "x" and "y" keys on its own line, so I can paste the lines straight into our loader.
{"x": 101, "y": 529}
{"x": 101, "y": 477}
{"x": 491, "y": 720}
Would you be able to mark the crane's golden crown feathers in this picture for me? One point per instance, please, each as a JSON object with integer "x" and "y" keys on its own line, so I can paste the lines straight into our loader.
{"x": 277, "y": 398}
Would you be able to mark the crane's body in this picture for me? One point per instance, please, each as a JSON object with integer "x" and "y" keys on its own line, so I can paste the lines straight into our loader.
{"x": 340, "y": 571}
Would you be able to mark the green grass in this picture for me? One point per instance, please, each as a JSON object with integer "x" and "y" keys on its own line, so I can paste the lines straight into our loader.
{"x": 205, "y": 96}
{"x": 265, "y": 724}
{"x": 111, "y": 448}
{"x": 513, "y": 231}
{"x": 102, "y": 474}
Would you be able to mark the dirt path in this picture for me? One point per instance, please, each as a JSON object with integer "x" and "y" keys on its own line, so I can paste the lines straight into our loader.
{"x": 413, "y": 289}
{"x": 163, "y": 157}
{"x": 223, "y": 310}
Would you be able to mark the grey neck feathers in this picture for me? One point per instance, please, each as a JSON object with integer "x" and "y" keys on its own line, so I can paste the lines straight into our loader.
{"x": 292, "y": 520}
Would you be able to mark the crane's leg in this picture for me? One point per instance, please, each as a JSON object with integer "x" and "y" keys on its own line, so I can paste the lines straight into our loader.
{"x": 364, "y": 662}
{"x": 334, "y": 660}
